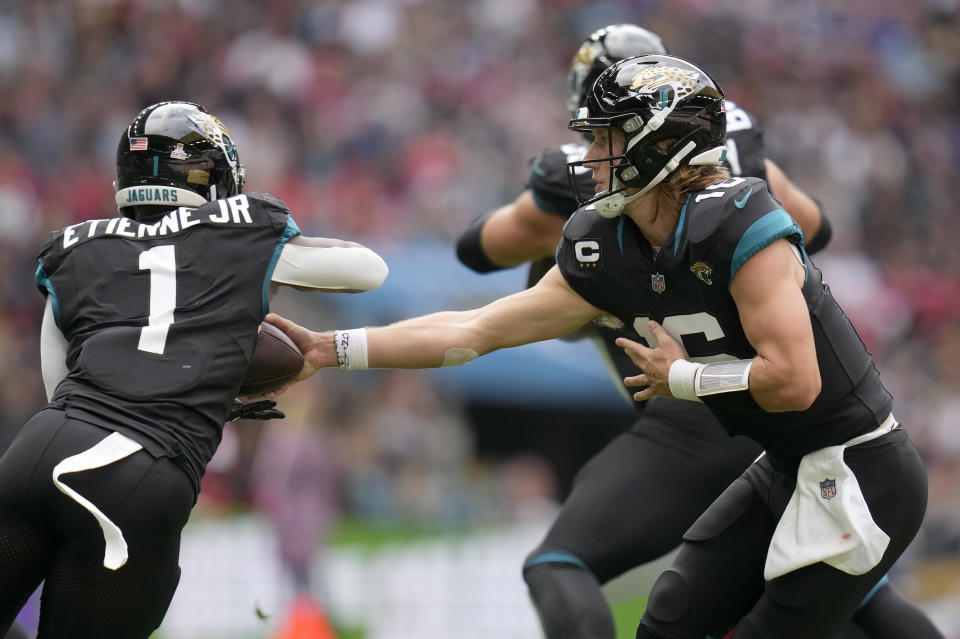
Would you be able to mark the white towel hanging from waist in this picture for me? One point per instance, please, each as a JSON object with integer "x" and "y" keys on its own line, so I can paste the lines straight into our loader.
{"x": 112, "y": 448}
{"x": 827, "y": 518}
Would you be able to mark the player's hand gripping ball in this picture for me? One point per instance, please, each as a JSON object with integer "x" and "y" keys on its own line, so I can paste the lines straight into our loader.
{"x": 276, "y": 361}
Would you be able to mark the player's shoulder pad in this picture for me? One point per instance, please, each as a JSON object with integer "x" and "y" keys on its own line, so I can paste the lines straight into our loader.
{"x": 734, "y": 219}
{"x": 273, "y": 208}
{"x": 269, "y": 201}
{"x": 549, "y": 168}
{"x": 586, "y": 228}
{"x": 586, "y": 222}
{"x": 708, "y": 211}
{"x": 548, "y": 177}
{"x": 589, "y": 241}
{"x": 50, "y": 248}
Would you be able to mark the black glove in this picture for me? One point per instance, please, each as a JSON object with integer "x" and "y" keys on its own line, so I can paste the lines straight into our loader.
{"x": 264, "y": 409}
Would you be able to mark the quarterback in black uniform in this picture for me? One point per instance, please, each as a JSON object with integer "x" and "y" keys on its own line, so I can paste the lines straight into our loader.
{"x": 712, "y": 274}
{"x": 673, "y": 443}
{"x": 150, "y": 323}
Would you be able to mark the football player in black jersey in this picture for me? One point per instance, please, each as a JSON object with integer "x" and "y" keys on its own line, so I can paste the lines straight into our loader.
{"x": 713, "y": 276}
{"x": 673, "y": 443}
{"x": 151, "y": 319}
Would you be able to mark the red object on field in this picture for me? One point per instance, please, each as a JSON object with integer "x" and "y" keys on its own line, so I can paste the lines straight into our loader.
{"x": 305, "y": 620}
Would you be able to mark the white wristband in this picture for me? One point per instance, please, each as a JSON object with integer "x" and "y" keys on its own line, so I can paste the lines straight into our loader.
{"x": 683, "y": 379}
{"x": 351, "y": 348}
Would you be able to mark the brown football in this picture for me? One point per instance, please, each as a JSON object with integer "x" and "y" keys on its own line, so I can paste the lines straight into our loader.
{"x": 276, "y": 360}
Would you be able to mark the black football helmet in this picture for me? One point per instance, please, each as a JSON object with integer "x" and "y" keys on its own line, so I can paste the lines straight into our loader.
{"x": 180, "y": 150}
{"x": 601, "y": 49}
{"x": 651, "y": 99}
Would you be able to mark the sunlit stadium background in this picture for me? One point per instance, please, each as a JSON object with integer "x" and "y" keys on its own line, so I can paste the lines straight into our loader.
{"x": 401, "y": 504}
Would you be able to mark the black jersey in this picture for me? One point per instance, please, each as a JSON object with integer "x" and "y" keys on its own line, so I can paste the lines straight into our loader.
{"x": 550, "y": 187}
{"x": 685, "y": 287}
{"x": 161, "y": 319}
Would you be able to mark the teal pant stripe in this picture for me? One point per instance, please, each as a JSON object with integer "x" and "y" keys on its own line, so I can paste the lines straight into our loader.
{"x": 880, "y": 584}
{"x": 555, "y": 558}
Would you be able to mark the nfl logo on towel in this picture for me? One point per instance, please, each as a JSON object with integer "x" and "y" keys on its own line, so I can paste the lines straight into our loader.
{"x": 828, "y": 488}
{"x": 658, "y": 282}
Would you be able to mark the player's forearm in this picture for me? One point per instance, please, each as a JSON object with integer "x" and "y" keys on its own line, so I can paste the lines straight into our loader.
{"x": 521, "y": 232}
{"x": 430, "y": 341}
{"x": 470, "y": 249}
{"x": 510, "y": 235}
{"x": 452, "y": 338}
{"x": 778, "y": 387}
{"x": 422, "y": 344}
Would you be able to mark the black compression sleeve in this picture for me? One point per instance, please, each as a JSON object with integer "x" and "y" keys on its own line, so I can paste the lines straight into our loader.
{"x": 823, "y": 236}
{"x": 469, "y": 251}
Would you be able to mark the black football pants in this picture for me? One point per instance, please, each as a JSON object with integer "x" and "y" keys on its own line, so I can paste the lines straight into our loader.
{"x": 716, "y": 582}
{"x": 45, "y": 535}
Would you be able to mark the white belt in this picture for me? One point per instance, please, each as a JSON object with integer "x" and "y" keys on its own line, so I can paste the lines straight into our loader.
{"x": 113, "y": 448}
{"x": 827, "y": 519}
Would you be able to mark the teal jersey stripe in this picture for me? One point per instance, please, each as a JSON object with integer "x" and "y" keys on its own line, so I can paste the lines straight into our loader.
{"x": 679, "y": 231}
{"x": 768, "y": 229}
{"x": 290, "y": 232}
{"x": 46, "y": 286}
{"x": 620, "y": 234}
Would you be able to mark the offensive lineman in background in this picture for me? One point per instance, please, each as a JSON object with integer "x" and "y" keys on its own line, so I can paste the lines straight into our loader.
{"x": 150, "y": 323}
{"x": 675, "y": 459}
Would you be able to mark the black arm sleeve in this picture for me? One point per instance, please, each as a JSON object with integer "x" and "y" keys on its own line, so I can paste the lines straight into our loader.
{"x": 823, "y": 235}
{"x": 469, "y": 251}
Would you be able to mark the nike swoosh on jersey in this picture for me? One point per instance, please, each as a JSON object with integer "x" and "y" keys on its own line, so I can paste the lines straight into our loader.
{"x": 535, "y": 167}
{"x": 742, "y": 203}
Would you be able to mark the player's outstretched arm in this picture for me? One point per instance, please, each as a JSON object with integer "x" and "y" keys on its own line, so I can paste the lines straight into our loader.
{"x": 327, "y": 264}
{"x": 549, "y": 309}
{"x": 510, "y": 235}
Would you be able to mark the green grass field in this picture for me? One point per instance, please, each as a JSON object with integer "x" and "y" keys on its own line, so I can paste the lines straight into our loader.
{"x": 626, "y": 614}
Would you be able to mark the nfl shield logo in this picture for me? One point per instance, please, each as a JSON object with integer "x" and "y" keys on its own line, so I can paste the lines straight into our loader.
{"x": 658, "y": 282}
{"x": 828, "y": 488}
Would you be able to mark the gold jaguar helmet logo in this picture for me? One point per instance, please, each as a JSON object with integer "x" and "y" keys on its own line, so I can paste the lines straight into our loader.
{"x": 656, "y": 77}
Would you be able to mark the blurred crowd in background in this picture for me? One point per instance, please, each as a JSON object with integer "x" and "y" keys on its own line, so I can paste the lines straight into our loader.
{"x": 393, "y": 121}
